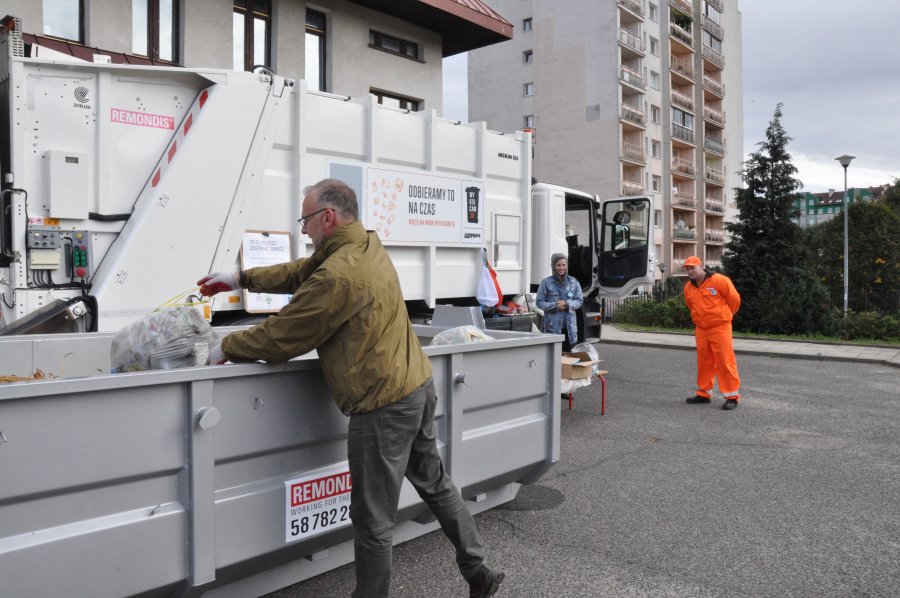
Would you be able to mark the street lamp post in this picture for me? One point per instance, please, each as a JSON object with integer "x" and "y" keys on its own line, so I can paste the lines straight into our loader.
{"x": 845, "y": 162}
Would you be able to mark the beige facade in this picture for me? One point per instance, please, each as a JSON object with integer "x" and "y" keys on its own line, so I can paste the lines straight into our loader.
{"x": 352, "y": 66}
{"x": 632, "y": 97}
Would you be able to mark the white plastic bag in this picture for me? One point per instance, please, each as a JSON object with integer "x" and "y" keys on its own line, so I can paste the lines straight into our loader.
{"x": 590, "y": 350}
{"x": 488, "y": 293}
{"x": 460, "y": 335}
{"x": 171, "y": 338}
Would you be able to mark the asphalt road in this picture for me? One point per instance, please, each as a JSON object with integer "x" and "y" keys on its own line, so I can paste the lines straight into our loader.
{"x": 795, "y": 493}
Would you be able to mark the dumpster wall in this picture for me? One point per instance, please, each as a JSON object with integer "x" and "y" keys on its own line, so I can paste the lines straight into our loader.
{"x": 164, "y": 482}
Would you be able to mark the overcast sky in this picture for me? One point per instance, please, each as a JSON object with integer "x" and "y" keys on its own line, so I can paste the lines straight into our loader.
{"x": 836, "y": 68}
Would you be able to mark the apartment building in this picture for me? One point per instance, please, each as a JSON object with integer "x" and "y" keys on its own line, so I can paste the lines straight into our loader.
{"x": 626, "y": 97}
{"x": 392, "y": 49}
{"x": 811, "y": 209}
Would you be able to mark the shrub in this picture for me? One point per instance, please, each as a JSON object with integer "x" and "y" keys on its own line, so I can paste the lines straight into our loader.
{"x": 868, "y": 325}
{"x": 672, "y": 313}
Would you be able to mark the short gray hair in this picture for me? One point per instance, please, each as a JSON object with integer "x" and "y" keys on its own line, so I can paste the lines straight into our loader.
{"x": 336, "y": 194}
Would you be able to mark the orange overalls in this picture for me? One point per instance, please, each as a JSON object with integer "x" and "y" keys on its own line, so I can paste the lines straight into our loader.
{"x": 712, "y": 303}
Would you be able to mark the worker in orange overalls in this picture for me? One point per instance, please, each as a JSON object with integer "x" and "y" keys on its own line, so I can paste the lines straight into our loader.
{"x": 712, "y": 301}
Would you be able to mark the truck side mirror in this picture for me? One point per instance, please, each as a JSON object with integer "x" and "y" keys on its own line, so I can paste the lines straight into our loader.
{"x": 621, "y": 236}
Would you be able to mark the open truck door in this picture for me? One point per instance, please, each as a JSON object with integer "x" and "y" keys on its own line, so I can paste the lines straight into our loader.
{"x": 625, "y": 252}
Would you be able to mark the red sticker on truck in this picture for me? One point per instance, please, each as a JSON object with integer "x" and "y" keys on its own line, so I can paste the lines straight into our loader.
{"x": 318, "y": 503}
{"x": 141, "y": 119}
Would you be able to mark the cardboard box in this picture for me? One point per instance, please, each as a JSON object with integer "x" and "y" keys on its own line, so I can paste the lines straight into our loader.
{"x": 576, "y": 366}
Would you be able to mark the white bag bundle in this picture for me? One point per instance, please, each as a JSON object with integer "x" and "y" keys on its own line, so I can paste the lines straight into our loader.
{"x": 171, "y": 338}
{"x": 460, "y": 335}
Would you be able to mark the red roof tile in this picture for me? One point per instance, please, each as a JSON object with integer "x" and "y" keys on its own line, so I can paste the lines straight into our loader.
{"x": 464, "y": 24}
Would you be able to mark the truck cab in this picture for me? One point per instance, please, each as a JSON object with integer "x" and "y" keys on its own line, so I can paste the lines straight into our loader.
{"x": 607, "y": 244}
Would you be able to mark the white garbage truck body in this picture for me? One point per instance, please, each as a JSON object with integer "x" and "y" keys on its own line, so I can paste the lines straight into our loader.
{"x": 122, "y": 185}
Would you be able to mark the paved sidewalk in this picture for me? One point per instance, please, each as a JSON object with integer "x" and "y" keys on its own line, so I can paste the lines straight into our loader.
{"x": 797, "y": 349}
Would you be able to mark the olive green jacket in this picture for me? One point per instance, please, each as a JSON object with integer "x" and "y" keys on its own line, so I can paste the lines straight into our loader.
{"x": 347, "y": 304}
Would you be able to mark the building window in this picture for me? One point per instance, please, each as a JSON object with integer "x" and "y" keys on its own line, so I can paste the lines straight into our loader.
{"x": 314, "y": 66}
{"x": 682, "y": 118}
{"x": 526, "y": 24}
{"x": 654, "y": 79}
{"x": 712, "y": 41}
{"x": 654, "y": 148}
{"x": 154, "y": 29}
{"x": 64, "y": 19}
{"x": 712, "y": 13}
{"x": 653, "y": 12}
{"x": 529, "y": 121}
{"x": 654, "y": 46}
{"x": 251, "y": 32}
{"x": 528, "y": 56}
{"x": 657, "y": 214}
{"x": 529, "y": 89}
{"x": 394, "y": 45}
{"x": 396, "y": 101}
{"x": 654, "y": 114}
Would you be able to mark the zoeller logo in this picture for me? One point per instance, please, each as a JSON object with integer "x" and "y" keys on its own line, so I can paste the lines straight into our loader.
{"x": 81, "y": 95}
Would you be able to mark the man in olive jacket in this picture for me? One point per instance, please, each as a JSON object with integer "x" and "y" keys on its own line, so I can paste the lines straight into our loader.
{"x": 347, "y": 304}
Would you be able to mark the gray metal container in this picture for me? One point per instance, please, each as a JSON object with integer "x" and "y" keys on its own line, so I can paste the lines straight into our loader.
{"x": 173, "y": 482}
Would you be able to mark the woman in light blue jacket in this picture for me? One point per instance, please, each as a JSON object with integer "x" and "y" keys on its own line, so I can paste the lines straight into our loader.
{"x": 559, "y": 296}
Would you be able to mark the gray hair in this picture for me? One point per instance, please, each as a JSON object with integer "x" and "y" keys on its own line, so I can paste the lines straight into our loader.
{"x": 556, "y": 257}
{"x": 336, "y": 194}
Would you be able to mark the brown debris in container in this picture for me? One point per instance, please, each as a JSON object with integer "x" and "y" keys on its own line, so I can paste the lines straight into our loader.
{"x": 38, "y": 375}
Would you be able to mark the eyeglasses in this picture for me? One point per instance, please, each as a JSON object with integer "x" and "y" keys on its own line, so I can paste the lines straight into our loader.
{"x": 303, "y": 220}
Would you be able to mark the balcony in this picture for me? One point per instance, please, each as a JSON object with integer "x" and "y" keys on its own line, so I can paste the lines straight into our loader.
{"x": 633, "y": 115}
{"x": 682, "y": 133}
{"x": 684, "y": 200}
{"x": 632, "y": 188}
{"x": 713, "y": 57}
{"x": 633, "y": 152}
{"x": 683, "y": 35}
{"x": 714, "y": 145}
{"x": 714, "y": 205}
{"x": 716, "y": 176}
{"x": 682, "y": 66}
{"x": 685, "y": 6}
{"x": 718, "y": 4}
{"x": 683, "y": 100}
{"x": 716, "y": 116}
{"x": 712, "y": 27}
{"x": 713, "y": 263}
{"x": 714, "y": 235}
{"x": 632, "y": 77}
{"x": 684, "y": 167}
{"x": 631, "y": 40}
{"x": 716, "y": 87}
{"x": 686, "y": 234}
{"x": 634, "y": 6}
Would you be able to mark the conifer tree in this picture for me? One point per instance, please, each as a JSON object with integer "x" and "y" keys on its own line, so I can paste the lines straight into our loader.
{"x": 874, "y": 256}
{"x": 765, "y": 255}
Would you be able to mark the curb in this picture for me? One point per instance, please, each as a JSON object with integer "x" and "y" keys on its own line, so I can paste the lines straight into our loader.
{"x": 892, "y": 362}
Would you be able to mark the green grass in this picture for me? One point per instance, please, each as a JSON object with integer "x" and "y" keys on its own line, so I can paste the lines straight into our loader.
{"x": 781, "y": 337}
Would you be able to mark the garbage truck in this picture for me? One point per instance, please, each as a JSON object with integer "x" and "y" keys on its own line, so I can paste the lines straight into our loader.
{"x": 120, "y": 186}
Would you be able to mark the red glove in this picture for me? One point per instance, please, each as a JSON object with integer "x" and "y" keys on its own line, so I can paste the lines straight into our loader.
{"x": 218, "y": 282}
{"x": 217, "y": 355}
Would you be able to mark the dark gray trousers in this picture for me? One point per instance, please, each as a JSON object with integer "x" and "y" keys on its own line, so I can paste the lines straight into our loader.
{"x": 383, "y": 447}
